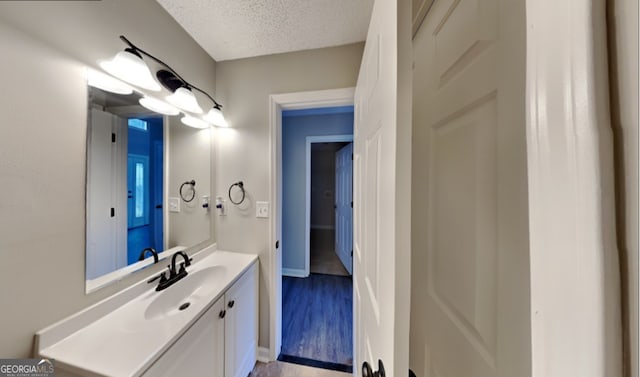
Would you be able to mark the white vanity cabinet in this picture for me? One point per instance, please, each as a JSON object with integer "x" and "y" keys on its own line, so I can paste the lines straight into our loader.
{"x": 223, "y": 341}
{"x": 241, "y": 325}
{"x": 198, "y": 352}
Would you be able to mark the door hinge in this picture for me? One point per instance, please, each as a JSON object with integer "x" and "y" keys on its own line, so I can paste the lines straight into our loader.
{"x": 113, "y": 212}
{"x": 113, "y": 137}
{"x": 277, "y": 244}
{"x": 351, "y": 253}
{"x": 351, "y": 156}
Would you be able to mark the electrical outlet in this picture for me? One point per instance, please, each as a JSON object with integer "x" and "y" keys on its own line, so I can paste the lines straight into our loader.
{"x": 262, "y": 209}
{"x": 174, "y": 204}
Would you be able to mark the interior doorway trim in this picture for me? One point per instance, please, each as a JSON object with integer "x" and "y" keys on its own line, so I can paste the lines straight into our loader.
{"x": 277, "y": 103}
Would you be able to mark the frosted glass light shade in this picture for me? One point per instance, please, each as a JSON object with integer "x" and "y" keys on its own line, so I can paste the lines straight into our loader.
{"x": 194, "y": 122}
{"x": 158, "y": 106}
{"x": 107, "y": 83}
{"x": 215, "y": 117}
{"x": 184, "y": 99}
{"x": 130, "y": 68}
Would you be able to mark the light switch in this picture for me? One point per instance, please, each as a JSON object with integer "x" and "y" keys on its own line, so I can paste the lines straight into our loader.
{"x": 262, "y": 209}
{"x": 174, "y": 204}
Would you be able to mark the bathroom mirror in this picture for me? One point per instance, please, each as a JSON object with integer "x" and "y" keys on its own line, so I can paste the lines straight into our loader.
{"x": 148, "y": 186}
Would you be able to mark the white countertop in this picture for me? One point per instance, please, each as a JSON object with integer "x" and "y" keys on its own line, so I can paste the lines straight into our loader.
{"x": 124, "y": 342}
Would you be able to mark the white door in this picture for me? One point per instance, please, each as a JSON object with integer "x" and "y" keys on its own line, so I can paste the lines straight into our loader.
{"x": 106, "y": 220}
{"x": 344, "y": 203}
{"x": 469, "y": 219}
{"x": 381, "y": 190}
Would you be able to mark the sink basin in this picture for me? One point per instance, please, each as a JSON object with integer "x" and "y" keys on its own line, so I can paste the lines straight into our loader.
{"x": 183, "y": 294}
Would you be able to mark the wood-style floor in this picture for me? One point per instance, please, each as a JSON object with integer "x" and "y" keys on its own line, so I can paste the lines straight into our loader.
{"x": 280, "y": 369}
{"x": 317, "y": 318}
{"x": 324, "y": 259}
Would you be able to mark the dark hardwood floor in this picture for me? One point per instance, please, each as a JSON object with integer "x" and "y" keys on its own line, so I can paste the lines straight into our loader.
{"x": 317, "y": 320}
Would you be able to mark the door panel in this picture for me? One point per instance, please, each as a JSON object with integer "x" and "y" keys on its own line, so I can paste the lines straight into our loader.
{"x": 469, "y": 192}
{"x": 344, "y": 211}
{"x": 381, "y": 249}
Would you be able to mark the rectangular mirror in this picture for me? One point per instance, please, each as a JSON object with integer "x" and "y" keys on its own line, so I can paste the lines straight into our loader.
{"x": 148, "y": 186}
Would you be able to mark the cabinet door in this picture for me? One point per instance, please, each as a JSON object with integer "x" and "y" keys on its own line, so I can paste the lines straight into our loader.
{"x": 198, "y": 352}
{"x": 241, "y": 325}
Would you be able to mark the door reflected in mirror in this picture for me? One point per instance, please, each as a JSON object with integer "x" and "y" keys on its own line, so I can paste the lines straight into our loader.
{"x": 130, "y": 153}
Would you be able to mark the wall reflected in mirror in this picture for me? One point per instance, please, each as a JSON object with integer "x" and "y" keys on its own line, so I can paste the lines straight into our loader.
{"x": 136, "y": 162}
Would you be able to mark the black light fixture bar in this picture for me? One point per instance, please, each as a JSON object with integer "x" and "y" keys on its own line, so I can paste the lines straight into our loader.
{"x": 169, "y": 76}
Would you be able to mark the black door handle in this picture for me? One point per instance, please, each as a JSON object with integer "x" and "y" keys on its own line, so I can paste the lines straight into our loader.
{"x": 368, "y": 372}
{"x": 158, "y": 206}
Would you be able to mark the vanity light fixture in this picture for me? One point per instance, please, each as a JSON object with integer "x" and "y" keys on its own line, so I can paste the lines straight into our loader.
{"x": 107, "y": 83}
{"x": 129, "y": 66}
{"x": 184, "y": 99}
{"x": 158, "y": 106}
{"x": 194, "y": 122}
{"x": 215, "y": 117}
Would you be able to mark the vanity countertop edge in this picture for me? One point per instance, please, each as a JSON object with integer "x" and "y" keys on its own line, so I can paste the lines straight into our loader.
{"x": 122, "y": 342}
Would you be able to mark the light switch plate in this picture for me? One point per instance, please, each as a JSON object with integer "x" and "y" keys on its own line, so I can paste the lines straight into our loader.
{"x": 262, "y": 209}
{"x": 174, "y": 204}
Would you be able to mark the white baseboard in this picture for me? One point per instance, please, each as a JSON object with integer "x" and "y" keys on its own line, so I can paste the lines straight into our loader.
{"x": 263, "y": 355}
{"x": 294, "y": 272}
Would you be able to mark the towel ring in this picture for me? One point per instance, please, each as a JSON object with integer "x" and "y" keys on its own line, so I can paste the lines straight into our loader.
{"x": 191, "y": 183}
{"x": 241, "y": 186}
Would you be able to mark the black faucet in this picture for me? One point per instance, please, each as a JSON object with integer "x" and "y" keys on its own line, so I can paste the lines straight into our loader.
{"x": 152, "y": 251}
{"x": 174, "y": 275}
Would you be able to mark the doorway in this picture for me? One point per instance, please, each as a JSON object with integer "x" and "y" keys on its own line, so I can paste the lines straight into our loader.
{"x": 277, "y": 104}
{"x": 330, "y": 233}
{"x": 145, "y": 173}
{"x": 317, "y": 289}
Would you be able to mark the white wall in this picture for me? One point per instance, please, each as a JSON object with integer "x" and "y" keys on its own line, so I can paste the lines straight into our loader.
{"x": 190, "y": 158}
{"x": 623, "y": 76}
{"x": 45, "y": 46}
{"x": 243, "y": 87}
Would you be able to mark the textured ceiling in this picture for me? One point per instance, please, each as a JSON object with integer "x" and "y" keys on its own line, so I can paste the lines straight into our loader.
{"x": 233, "y": 29}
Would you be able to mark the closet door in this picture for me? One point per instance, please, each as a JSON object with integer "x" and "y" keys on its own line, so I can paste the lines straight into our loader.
{"x": 470, "y": 203}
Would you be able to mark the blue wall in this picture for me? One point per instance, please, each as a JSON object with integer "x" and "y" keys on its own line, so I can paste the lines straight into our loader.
{"x": 142, "y": 143}
{"x": 296, "y": 126}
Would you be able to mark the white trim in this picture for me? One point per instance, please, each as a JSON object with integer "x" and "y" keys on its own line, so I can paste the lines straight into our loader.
{"x": 263, "y": 355}
{"x": 278, "y": 102}
{"x": 307, "y": 205}
{"x": 295, "y": 273}
{"x": 575, "y": 286}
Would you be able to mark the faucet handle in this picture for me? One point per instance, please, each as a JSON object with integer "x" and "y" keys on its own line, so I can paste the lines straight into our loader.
{"x": 182, "y": 269}
{"x": 163, "y": 278}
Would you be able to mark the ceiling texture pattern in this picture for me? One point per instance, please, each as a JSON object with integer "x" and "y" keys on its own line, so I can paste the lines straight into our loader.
{"x": 234, "y": 29}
